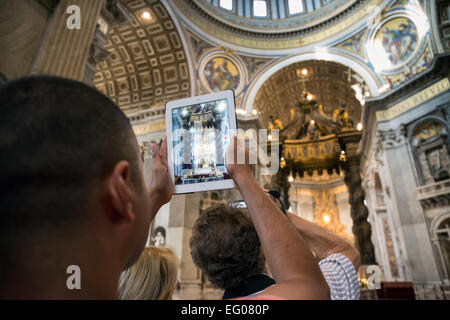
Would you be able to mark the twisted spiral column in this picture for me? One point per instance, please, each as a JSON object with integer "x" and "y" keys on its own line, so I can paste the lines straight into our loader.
{"x": 359, "y": 212}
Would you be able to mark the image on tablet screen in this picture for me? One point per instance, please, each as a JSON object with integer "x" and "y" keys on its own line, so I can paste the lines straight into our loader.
{"x": 201, "y": 135}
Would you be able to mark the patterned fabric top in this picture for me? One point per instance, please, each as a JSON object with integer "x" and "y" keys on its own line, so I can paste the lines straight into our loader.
{"x": 341, "y": 277}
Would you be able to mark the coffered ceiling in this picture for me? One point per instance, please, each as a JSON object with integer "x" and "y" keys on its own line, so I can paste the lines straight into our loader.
{"x": 147, "y": 65}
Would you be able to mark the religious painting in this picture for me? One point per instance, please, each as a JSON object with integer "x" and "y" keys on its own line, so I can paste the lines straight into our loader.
{"x": 423, "y": 63}
{"x": 397, "y": 40}
{"x": 221, "y": 74}
{"x": 394, "y": 43}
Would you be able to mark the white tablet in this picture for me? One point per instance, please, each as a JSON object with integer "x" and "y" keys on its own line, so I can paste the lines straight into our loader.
{"x": 198, "y": 133}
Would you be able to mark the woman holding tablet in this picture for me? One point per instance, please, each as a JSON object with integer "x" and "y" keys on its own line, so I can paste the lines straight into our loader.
{"x": 291, "y": 263}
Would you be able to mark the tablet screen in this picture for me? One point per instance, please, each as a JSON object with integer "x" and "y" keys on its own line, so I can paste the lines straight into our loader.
{"x": 201, "y": 135}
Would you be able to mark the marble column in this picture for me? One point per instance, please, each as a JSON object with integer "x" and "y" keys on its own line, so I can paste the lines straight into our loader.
{"x": 65, "y": 52}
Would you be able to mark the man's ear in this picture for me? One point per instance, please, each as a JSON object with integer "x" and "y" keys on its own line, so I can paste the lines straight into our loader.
{"x": 121, "y": 192}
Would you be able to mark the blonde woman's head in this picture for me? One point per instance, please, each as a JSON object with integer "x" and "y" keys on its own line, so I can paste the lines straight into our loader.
{"x": 152, "y": 277}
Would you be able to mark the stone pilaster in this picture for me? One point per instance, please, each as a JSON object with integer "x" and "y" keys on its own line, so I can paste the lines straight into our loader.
{"x": 65, "y": 52}
{"x": 113, "y": 15}
{"x": 407, "y": 213}
{"x": 97, "y": 53}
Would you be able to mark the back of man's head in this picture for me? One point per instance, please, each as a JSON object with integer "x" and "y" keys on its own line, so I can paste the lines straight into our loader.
{"x": 58, "y": 139}
{"x": 226, "y": 247}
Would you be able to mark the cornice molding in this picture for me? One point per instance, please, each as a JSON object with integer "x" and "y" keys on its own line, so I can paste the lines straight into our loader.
{"x": 265, "y": 35}
{"x": 439, "y": 70}
{"x": 276, "y": 25}
{"x": 391, "y": 138}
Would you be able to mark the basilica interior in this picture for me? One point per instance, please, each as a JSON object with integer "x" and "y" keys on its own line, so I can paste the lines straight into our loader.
{"x": 357, "y": 92}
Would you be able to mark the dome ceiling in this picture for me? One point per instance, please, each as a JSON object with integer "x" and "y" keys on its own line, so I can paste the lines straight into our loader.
{"x": 327, "y": 82}
{"x": 272, "y": 15}
{"x": 147, "y": 65}
{"x": 241, "y": 30}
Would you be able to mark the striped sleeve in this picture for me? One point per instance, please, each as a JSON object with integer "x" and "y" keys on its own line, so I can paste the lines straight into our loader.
{"x": 340, "y": 274}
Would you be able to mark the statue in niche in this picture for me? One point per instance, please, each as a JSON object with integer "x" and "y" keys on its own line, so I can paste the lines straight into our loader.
{"x": 379, "y": 190}
{"x": 431, "y": 150}
{"x": 159, "y": 240}
{"x": 439, "y": 164}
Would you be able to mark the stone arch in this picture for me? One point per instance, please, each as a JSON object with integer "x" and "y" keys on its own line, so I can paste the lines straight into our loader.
{"x": 437, "y": 222}
{"x": 422, "y": 120}
{"x": 440, "y": 249}
{"x": 369, "y": 77}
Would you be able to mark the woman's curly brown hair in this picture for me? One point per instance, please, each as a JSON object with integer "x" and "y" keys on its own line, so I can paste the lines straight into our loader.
{"x": 225, "y": 246}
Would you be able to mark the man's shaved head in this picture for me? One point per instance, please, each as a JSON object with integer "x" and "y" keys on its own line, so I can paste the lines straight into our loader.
{"x": 58, "y": 139}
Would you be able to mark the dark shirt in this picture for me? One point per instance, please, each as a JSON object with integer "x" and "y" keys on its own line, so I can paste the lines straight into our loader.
{"x": 249, "y": 286}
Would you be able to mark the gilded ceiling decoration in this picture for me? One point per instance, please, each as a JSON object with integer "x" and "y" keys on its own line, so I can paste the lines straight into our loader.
{"x": 220, "y": 68}
{"x": 273, "y": 34}
{"x": 219, "y": 72}
{"x": 394, "y": 43}
{"x": 147, "y": 64}
{"x": 274, "y": 14}
{"x": 326, "y": 213}
{"x": 398, "y": 45}
{"x": 255, "y": 26}
{"x": 198, "y": 46}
